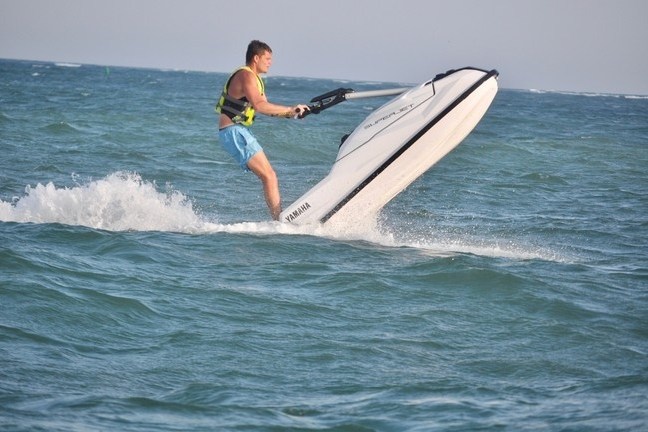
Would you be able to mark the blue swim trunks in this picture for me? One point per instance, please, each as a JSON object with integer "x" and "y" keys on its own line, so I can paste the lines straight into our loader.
{"x": 238, "y": 141}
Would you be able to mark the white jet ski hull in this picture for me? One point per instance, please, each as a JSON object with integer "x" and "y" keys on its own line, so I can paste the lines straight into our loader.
{"x": 395, "y": 145}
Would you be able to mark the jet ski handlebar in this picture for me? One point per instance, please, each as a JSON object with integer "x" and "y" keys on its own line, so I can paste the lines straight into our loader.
{"x": 326, "y": 100}
{"x": 334, "y": 97}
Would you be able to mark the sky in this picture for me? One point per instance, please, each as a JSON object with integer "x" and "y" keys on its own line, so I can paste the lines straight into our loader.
{"x": 597, "y": 46}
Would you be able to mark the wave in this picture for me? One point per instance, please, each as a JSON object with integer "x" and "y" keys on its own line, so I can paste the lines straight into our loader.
{"x": 61, "y": 127}
{"x": 4, "y": 117}
{"x": 123, "y": 201}
{"x": 70, "y": 65}
{"x": 588, "y": 94}
{"x": 120, "y": 202}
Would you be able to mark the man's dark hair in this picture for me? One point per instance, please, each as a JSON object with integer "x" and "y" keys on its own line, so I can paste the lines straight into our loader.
{"x": 256, "y": 47}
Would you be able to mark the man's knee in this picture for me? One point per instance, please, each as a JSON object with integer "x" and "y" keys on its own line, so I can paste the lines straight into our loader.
{"x": 267, "y": 174}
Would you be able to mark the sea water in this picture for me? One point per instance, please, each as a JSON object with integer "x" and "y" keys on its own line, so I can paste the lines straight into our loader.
{"x": 143, "y": 287}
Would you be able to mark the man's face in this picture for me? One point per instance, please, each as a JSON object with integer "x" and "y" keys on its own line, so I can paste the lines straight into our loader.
{"x": 264, "y": 62}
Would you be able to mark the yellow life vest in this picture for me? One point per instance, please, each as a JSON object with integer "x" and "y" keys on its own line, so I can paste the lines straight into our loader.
{"x": 240, "y": 111}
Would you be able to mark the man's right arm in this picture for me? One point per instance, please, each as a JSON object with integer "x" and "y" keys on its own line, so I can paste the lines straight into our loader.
{"x": 259, "y": 101}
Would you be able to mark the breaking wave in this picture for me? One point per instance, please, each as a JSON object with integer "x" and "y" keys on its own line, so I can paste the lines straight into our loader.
{"x": 123, "y": 201}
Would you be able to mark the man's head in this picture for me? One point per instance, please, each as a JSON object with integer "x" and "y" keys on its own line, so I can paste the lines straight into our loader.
{"x": 259, "y": 56}
{"x": 255, "y": 48}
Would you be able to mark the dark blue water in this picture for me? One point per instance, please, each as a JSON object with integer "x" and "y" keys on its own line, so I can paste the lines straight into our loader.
{"x": 142, "y": 287}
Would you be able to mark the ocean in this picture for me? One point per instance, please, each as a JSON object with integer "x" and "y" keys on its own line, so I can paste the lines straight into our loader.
{"x": 144, "y": 288}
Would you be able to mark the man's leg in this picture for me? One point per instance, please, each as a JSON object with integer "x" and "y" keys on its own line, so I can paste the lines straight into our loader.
{"x": 260, "y": 166}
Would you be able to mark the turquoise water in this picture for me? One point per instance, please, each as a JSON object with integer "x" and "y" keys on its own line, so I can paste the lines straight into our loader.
{"x": 142, "y": 287}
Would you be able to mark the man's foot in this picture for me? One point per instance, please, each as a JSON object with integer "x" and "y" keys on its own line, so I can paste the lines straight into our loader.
{"x": 275, "y": 213}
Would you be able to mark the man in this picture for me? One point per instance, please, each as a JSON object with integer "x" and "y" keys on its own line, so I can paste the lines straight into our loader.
{"x": 242, "y": 97}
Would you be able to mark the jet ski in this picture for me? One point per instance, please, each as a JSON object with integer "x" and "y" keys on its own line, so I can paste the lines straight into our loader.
{"x": 394, "y": 145}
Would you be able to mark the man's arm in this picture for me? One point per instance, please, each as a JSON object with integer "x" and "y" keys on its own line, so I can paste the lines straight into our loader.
{"x": 260, "y": 102}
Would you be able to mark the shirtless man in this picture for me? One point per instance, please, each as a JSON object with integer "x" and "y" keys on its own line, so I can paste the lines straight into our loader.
{"x": 242, "y": 97}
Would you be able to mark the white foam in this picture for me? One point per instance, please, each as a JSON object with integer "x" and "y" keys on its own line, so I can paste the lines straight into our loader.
{"x": 120, "y": 202}
{"x": 495, "y": 248}
{"x": 70, "y": 65}
{"x": 589, "y": 94}
{"x": 123, "y": 201}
